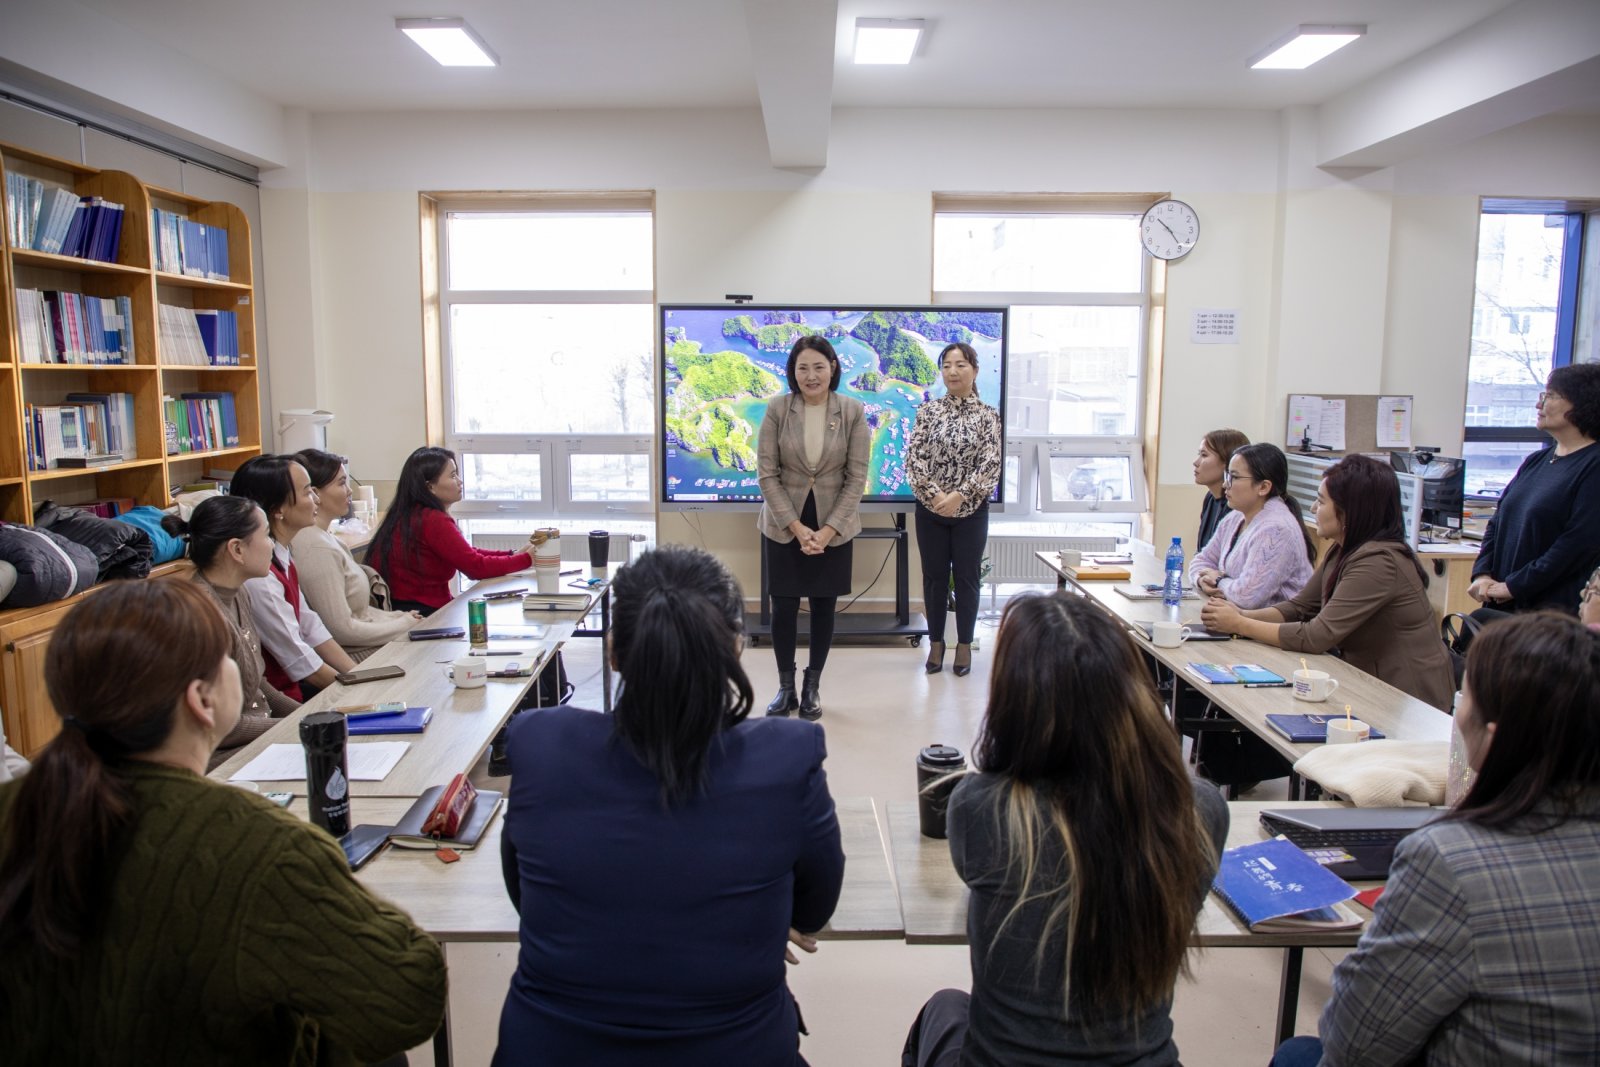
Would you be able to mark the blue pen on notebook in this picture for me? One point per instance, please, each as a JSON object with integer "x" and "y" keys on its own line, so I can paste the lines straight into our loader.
{"x": 368, "y": 716}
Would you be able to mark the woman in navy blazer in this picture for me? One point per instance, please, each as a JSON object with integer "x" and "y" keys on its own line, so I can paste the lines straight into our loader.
{"x": 661, "y": 857}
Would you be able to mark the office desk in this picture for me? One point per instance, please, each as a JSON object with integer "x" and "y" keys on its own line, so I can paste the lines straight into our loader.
{"x": 466, "y": 901}
{"x": 464, "y": 720}
{"x": 1449, "y": 568}
{"x": 933, "y": 898}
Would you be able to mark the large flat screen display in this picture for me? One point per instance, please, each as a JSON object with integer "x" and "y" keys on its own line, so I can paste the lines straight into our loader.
{"x": 723, "y": 364}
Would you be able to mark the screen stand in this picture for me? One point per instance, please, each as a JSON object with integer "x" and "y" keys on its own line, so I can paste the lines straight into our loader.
{"x": 857, "y": 625}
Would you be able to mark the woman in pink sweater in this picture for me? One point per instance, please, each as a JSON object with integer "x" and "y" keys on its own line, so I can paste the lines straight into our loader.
{"x": 418, "y": 548}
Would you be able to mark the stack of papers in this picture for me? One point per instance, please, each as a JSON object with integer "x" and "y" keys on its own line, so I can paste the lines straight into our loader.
{"x": 369, "y": 762}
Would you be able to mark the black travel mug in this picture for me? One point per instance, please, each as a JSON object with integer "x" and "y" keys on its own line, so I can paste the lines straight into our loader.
{"x": 323, "y": 735}
{"x": 936, "y": 761}
{"x": 599, "y": 548}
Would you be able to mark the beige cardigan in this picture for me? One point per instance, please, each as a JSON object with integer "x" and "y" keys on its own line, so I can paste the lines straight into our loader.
{"x": 338, "y": 590}
{"x": 838, "y": 478}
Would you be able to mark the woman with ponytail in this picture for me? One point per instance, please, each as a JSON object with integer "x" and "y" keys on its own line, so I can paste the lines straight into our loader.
{"x": 151, "y": 915}
{"x": 1369, "y": 598}
{"x": 1262, "y": 552}
{"x": 229, "y": 545}
{"x": 1088, "y": 849}
{"x": 660, "y": 856}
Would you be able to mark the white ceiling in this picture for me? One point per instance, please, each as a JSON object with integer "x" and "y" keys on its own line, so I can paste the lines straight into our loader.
{"x": 345, "y": 55}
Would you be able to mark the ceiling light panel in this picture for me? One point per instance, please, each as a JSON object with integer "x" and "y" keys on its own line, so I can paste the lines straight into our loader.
{"x": 1305, "y": 46}
{"x": 450, "y": 41}
{"x": 884, "y": 41}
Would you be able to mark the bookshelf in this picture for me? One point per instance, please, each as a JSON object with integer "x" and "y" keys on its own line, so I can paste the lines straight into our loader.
{"x": 149, "y": 473}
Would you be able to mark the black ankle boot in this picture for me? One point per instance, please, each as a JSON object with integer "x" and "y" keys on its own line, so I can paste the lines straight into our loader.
{"x": 785, "y": 701}
{"x": 810, "y": 699}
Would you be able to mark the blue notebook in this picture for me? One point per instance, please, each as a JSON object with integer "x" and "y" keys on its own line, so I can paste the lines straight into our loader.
{"x": 1309, "y": 729}
{"x": 1250, "y": 675}
{"x": 409, "y": 721}
{"x": 1274, "y": 885}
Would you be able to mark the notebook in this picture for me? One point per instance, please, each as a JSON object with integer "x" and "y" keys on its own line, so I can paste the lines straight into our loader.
{"x": 1308, "y": 729}
{"x": 1098, "y": 572}
{"x": 1248, "y": 675}
{"x": 409, "y": 721}
{"x": 557, "y": 602}
{"x": 407, "y": 833}
{"x": 1274, "y": 886}
{"x": 1350, "y": 842}
{"x": 1153, "y": 592}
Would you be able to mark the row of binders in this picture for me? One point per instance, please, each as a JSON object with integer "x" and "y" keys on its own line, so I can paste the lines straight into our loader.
{"x": 198, "y": 337}
{"x": 191, "y": 248}
{"x": 200, "y": 422}
{"x": 62, "y": 327}
{"x": 87, "y": 430}
{"x": 48, "y": 218}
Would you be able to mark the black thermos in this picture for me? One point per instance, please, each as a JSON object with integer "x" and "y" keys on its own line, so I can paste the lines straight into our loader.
{"x": 936, "y": 761}
{"x": 323, "y": 734}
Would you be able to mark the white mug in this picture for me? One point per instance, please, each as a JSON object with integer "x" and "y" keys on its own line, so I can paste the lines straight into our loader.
{"x": 1342, "y": 731}
{"x": 1168, "y": 634}
{"x": 469, "y": 672}
{"x": 1314, "y": 685}
{"x": 1070, "y": 557}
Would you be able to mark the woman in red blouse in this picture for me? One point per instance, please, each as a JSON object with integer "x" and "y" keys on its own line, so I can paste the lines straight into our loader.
{"x": 418, "y": 548}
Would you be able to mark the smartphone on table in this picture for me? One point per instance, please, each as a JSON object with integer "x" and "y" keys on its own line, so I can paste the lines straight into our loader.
{"x": 369, "y": 674}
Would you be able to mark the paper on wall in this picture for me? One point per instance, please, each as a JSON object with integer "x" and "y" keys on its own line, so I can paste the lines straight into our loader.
{"x": 370, "y": 761}
{"x": 1316, "y": 419}
{"x": 1394, "y": 422}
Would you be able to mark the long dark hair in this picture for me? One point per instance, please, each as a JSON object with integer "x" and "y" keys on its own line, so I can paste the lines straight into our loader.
{"x": 1075, "y": 727}
{"x": 968, "y": 353}
{"x": 268, "y": 480}
{"x": 819, "y": 344}
{"x": 1267, "y": 463}
{"x": 1367, "y": 494}
{"x": 117, "y": 666}
{"x": 1537, "y": 678}
{"x": 676, "y": 619}
{"x": 213, "y": 523}
{"x": 395, "y": 541}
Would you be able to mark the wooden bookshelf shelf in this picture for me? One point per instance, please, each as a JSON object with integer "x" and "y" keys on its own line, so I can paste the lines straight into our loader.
{"x": 78, "y": 472}
{"x": 121, "y": 367}
{"x": 11, "y": 481}
{"x": 175, "y": 457}
{"x": 72, "y": 263}
{"x": 206, "y": 368}
{"x": 188, "y": 282}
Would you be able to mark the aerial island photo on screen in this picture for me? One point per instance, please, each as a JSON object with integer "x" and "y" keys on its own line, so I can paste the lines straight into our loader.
{"x": 723, "y": 365}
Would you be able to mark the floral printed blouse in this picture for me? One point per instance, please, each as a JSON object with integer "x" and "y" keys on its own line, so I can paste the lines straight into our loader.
{"x": 956, "y": 444}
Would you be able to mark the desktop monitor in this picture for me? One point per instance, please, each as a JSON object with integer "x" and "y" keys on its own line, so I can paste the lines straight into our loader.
{"x": 1443, "y": 485}
{"x": 722, "y": 363}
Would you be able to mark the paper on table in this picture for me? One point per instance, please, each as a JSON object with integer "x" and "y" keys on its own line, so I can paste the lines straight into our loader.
{"x": 1394, "y": 422}
{"x": 370, "y": 761}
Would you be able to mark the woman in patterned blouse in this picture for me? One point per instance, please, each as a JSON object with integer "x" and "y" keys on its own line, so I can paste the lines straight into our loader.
{"x": 953, "y": 462}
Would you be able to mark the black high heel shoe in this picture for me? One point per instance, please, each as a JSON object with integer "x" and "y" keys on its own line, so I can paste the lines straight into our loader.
{"x": 963, "y": 665}
{"x": 935, "y": 662}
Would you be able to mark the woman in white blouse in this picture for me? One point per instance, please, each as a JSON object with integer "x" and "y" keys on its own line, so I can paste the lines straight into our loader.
{"x": 1261, "y": 553}
{"x": 333, "y": 583}
{"x": 295, "y": 644}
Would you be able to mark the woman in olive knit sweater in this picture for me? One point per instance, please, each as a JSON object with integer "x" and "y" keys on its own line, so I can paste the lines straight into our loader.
{"x": 150, "y": 915}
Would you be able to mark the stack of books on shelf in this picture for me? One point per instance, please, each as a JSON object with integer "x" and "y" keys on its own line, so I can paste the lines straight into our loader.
{"x": 107, "y": 507}
{"x": 200, "y": 422}
{"x": 60, "y": 327}
{"x": 199, "y": 337}
{"x": 191, "y": 248}
{"x": 48, "y": 218}
{"x": 87, "y": 430}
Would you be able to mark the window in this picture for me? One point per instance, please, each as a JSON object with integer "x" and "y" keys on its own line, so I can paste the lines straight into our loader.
{"x": 1524, "y": 325}
{"x": 548, "y": 345}
{"x": 1075, "y": 278}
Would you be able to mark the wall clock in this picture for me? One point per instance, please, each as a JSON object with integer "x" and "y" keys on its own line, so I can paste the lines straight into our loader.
{"x": 1169, "y": 229}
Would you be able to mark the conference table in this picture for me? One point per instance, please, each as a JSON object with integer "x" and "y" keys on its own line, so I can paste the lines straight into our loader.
{"x": 933, "y": 899}
{"x": 1397, "y": 714}
{"x": 464, "y": 720}
{"x": 466, "y": 901}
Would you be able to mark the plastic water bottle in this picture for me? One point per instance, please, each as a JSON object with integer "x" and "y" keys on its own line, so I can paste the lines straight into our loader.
{"x": 1172, "y": 589}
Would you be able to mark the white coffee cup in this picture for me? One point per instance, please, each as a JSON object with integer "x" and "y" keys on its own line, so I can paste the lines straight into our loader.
{"x": 1342, "y": 731}
{"x": 469, "y": 672}
{"x": 1169, "y": 634}
{"x": 1070, "y": 557}
{"x": 1314, "y": 685}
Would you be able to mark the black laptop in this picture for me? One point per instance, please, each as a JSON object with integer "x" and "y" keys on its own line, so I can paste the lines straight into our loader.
{"x": 1354, "y": 843}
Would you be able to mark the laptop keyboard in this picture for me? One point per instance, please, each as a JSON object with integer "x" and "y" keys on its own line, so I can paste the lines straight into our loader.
{"x": 1309, "y": 839}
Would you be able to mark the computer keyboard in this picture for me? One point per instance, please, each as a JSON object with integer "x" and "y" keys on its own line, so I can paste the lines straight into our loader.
{"x": 1309, "y": 839}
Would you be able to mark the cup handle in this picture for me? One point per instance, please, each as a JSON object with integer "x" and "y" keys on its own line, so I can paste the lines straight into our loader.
{"x": 1184, "y": 634}
{"x": 1333, "y": 683}
{"x": 450, "y": 673}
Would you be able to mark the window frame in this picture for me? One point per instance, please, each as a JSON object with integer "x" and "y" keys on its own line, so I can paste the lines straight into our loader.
{"x": 1032, "y": 448}
{"x": 554, "y": 449}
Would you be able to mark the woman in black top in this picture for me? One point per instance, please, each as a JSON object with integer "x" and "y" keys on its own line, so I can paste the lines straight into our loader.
{"x": 1088, "y": 849}
{"x": 1544, "y": 538}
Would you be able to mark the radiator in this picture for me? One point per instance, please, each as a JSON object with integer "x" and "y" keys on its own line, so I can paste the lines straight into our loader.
{"x": 574, "y": 546}
{"x": 1011, "y": 559}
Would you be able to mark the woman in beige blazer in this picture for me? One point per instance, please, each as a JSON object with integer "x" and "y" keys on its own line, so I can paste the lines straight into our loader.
{"x": 1369, "y": 598}
{"x": 812, "y": 463}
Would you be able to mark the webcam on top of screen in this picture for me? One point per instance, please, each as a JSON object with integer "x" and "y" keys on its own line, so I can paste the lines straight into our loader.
{"x": 738, "y": 298}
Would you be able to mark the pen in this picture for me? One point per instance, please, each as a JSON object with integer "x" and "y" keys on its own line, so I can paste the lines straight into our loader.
{"x": 498, "y": 652}
{"x": 575, "y": 570}
{"x": 1266, "y": 685}
{"x": 368, "y": 716}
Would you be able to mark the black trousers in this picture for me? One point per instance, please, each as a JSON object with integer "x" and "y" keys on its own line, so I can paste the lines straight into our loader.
{"x": 939, "y": 1032}
{"x": 786, "y": 630}
{"x": 951, "y": 546}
